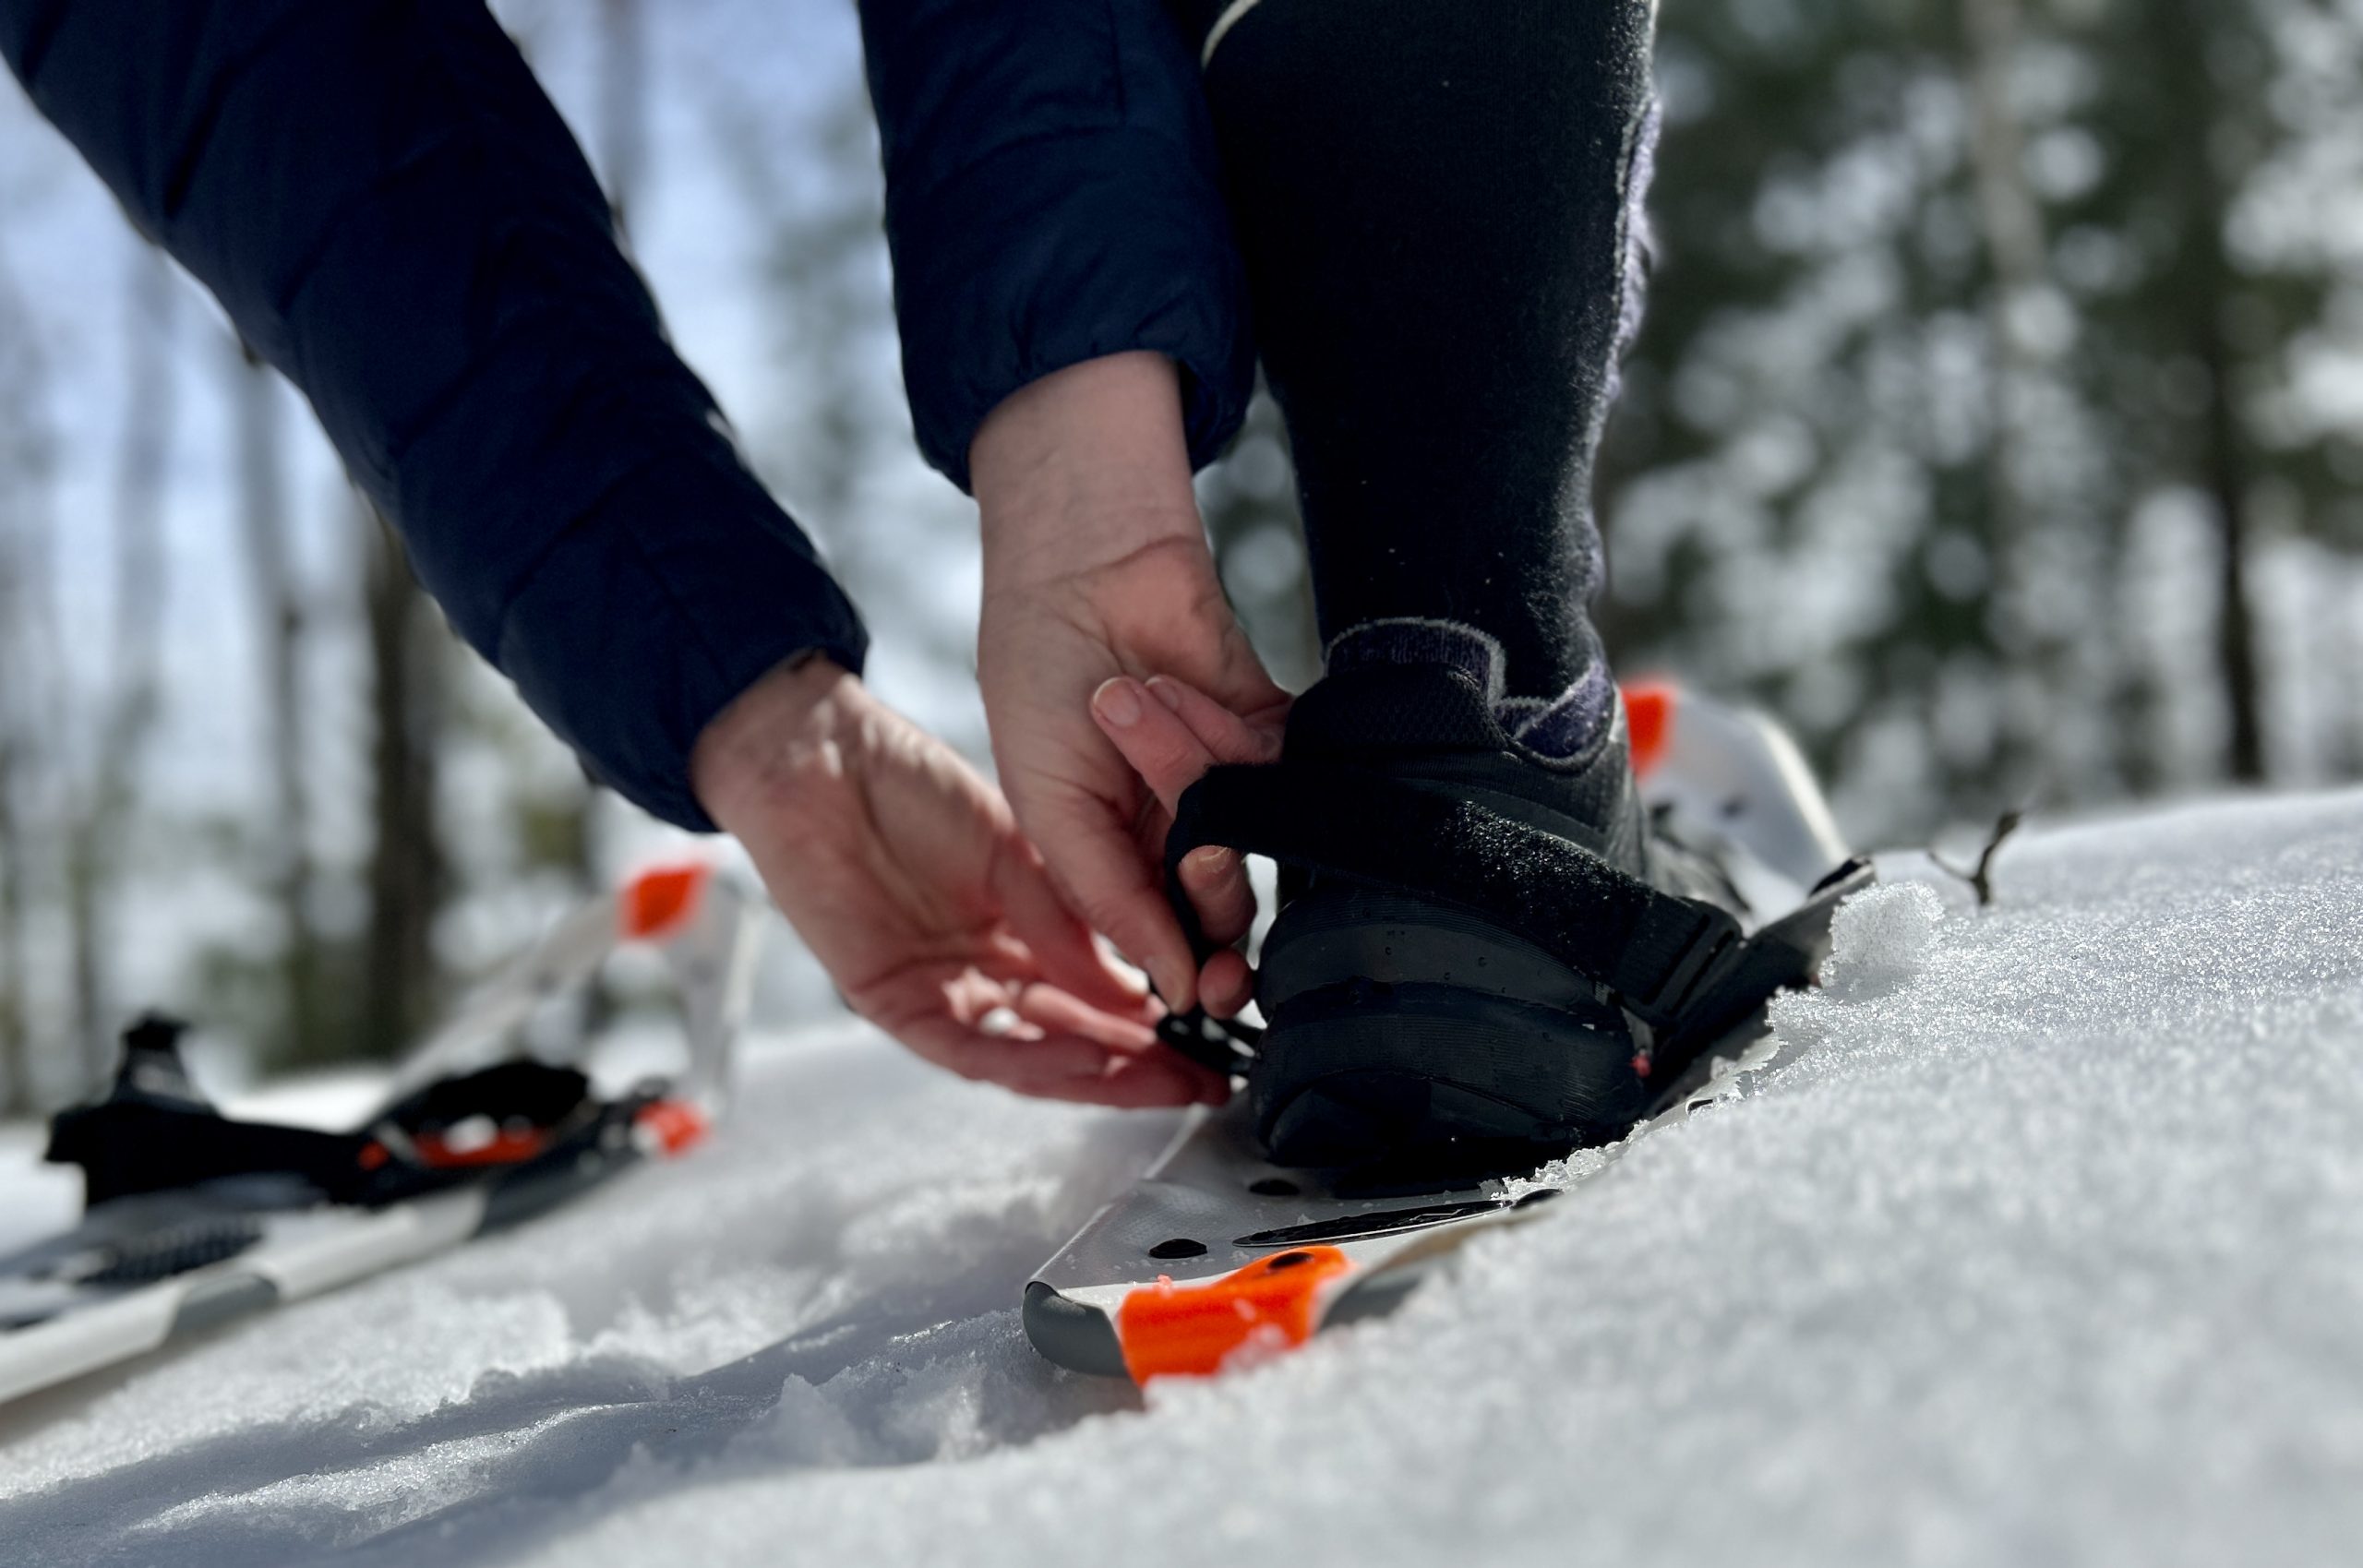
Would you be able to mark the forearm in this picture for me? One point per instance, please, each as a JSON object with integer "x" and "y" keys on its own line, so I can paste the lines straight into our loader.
{"x": 1083, "y": 468}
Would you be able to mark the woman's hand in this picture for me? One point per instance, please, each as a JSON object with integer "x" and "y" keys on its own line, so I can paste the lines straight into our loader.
{"x": 1169, "y": 733}
{"x": 1096, "y": 576}
{"x": 907, "y": 875}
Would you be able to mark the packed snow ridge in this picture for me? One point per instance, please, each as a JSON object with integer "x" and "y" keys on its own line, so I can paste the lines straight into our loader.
{"x": 2046, "y": 1246}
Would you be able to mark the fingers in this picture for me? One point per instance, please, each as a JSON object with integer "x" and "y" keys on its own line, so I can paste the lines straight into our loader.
{"x": 1171, "y": 734}
{"x": 1114, "y": 891}
{"x": 1225, "y": 735}
{"x": 1058, "y": 1012}
{"x": 1060, "y": 944}
{"x": 1215, "y": 879}
{"x": 1225, "y": 985}
{"x": 1173, "y": 741}
{"x": 1155, "y": 743}
{"x": 1021, "y": 1059}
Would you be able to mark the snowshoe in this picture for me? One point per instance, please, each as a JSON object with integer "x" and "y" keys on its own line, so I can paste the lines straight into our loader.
{"x": 1473, "y": 973}
{"x": 193, "y": 1217}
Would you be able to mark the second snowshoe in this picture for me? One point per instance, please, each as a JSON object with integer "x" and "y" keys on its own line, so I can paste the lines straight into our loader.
{"x": 194, "y": 1216}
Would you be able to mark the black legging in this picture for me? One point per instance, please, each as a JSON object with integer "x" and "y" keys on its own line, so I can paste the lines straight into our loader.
{"x": 1438, "y": 203}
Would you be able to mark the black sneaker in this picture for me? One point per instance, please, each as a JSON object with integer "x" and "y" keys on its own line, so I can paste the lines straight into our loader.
{"x": 1403, "y": 1028}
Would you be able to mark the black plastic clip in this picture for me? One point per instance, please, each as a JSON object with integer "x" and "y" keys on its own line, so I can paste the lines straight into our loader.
{"x": 1226, "y": 1045}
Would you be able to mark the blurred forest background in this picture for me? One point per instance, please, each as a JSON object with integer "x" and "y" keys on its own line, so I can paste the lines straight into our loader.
{"x": 1998, "y": 422}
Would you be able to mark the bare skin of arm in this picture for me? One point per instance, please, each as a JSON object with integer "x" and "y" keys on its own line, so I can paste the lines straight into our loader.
{"x": 1098, "y": 576}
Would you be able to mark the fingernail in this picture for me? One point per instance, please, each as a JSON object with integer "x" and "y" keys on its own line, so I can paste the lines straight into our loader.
{"x": 1167, "y": 693}
{"x": 1117, "y": 702}
{"x": 1212, "y": 861}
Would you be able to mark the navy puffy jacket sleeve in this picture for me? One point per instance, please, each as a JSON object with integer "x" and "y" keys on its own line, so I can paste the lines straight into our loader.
{"x": 1052, "y": 195}
{"x": 393, "y": 214}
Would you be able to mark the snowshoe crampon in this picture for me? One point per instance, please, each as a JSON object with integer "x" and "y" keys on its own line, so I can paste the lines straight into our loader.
{"x": 1217, "y": 1254}
{"x": 193, "y": 1217}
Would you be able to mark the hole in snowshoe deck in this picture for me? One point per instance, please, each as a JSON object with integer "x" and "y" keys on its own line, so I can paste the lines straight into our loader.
{"x": 1273, "y": 1187}
{"x": 1289, "y": 1261}
{"x": 1179, "y": 1246}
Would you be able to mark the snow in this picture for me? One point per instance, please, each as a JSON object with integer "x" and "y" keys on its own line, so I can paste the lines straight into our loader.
{"x": 2048, "y": 1247}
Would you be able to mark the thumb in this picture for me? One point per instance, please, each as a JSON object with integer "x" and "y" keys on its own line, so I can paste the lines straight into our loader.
{"x": 1170, "y": 733}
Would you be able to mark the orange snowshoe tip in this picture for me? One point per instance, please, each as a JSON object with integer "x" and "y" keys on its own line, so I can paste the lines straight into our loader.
{"x": 1169, "y": 1330}
{"x": 677, "y": 1126}
{"x": 1648, "y": 718}
{"x": 659, "y": 901}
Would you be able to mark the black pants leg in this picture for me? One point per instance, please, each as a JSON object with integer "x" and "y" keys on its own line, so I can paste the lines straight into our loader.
{"x": 1438, "y": 202}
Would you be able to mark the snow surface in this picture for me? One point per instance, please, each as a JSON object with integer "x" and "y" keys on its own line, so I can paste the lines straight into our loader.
{"x": 2050, "y": 1249}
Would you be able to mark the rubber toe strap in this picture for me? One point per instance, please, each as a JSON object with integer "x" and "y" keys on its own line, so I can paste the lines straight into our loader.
{"x": 1654, "y": 950}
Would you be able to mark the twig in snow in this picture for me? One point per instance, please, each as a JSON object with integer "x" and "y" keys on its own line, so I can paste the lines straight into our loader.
{"x": 1980, "y": 881}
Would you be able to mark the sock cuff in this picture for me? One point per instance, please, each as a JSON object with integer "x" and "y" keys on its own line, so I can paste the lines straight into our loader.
{"x": 1560, "y": 726}
{"x": 1415, "y": 640}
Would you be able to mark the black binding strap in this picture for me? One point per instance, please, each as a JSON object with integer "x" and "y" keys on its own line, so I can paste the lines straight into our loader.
{"x": 1655, "y": 951}
{"x": 154, "y": 1133}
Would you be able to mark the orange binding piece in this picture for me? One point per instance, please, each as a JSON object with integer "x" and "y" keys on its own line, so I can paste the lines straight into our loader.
{"x": 1648, "y": 720}
{"x": 507, "y": 1146}
{"x": 657, "y": 903}
{"x": 1169, "y": 1330}
{"x": 676, "y": 1125}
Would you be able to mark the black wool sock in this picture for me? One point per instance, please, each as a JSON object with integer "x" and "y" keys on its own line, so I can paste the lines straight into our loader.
{"x": 1438, "y": 200}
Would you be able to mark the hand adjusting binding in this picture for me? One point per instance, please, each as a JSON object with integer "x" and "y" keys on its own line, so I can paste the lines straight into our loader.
{"x": 1654, "y": 953}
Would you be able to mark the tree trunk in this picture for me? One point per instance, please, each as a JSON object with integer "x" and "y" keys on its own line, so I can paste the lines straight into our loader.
{"x": 2236, "y": 630}
{"x": 27, "y": 472}
{"x": 106, "y": 805}
{"x": 17, "y": 1089}
{"x": 623, "y": 105}
{"x": 2219, "y": 453}
{"x": 2011, "y": 220}
{"x": 16, "y": 1094}
{"x": 2008, "y": 211}
{"x": 286, "y": 845}
{"x": 406, "y": 872}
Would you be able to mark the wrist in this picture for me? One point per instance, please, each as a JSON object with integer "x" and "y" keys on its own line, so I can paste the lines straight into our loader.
{"x": 750, "y": 758}
{"x": 1083, "y": 468}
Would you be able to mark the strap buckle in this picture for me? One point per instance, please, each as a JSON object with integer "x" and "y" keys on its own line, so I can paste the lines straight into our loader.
{"x": 1225, "y": 1045}
{"x": 1707, "y": 951}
